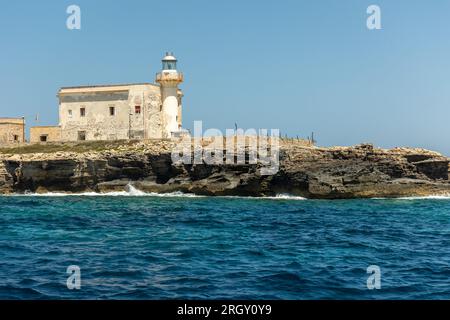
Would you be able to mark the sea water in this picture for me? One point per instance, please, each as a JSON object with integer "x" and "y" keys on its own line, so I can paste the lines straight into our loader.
{"x": 132, "y": 245}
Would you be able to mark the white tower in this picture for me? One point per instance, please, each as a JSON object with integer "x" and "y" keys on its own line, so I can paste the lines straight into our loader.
{"x": 169, "y": 78}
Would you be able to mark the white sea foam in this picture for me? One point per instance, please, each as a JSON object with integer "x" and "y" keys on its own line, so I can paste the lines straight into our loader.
{"x": 432, "y": 197}
{"x": 284, "y": 196}
{"x": 131, "y": 191}
{"x": 277, "y": 197}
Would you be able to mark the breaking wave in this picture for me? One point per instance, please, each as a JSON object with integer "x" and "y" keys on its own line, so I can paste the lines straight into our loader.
{"x": 285, "y": 196}
{"x": 432, "y": 197}
{"x": 131, "y": 191}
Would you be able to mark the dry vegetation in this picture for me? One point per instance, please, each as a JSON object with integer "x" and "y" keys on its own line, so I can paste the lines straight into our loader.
{"x": 78, "y": 147}
{"x": 122, "y": 145}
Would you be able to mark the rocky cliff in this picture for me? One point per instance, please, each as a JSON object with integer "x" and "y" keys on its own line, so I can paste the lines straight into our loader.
{"x": 312, "y": 172}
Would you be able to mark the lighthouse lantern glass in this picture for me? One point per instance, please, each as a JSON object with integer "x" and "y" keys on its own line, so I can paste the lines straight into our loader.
{"x": 169, "y": 65}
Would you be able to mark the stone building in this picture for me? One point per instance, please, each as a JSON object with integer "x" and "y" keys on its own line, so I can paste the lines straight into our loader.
{"x": 12, "y": 130}
{"x": 45, "y": 134}
{"x": 122, "y": 111}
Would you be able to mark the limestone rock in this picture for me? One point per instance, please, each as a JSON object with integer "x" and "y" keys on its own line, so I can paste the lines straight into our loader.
{"x": 328, "y": 173}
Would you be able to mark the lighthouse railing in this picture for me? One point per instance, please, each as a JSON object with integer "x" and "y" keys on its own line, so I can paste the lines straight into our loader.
{"x": 167, "y": 76}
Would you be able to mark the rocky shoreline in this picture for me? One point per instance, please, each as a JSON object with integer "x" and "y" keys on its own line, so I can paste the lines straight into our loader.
{"x": 319, "y": 173}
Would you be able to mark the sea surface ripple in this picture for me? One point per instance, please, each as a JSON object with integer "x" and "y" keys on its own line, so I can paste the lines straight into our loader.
{"x": 223, "y": 248}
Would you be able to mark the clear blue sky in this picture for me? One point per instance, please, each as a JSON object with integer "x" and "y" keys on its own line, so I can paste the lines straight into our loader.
{"x": 299, "y": 66}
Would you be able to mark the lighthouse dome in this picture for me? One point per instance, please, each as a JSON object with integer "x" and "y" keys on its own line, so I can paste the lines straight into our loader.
{"x": 169, "y": 57}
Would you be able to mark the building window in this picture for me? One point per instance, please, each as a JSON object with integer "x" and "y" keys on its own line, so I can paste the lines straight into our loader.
{"x": 82, "y": 112}
{"x": 137, "y": 109}
{"x": 112, "y": 111}
{"x": 16, "y": 137}
{"x": 43, "y": 138}
{"x": 70, "y": 113}
{"x": 81, "y": 135}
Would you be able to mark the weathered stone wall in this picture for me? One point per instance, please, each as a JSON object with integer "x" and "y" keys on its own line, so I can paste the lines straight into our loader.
{"x": 52, "y": 134}
{"x": 11, "y": 131}
{"x": 147, "y": 124}
{"x": 99, "y": 124}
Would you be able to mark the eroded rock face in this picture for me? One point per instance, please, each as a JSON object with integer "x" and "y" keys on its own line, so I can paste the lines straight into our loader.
{"x": 329, "y": 173}
{"x": 363, "y": 171}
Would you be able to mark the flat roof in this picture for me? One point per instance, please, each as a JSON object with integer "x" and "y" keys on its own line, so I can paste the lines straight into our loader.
{"x": 7, "y": 118}
{"x": 45, "y": 127}
{"x": 18, "y": 121}
{"x": 110, "y": 85}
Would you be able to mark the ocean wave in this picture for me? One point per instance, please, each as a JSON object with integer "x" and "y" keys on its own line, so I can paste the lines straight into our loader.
{"x": 277, "y": 197}
{"x": 131, "y": 191}
{"x": 285, "y": 196}
{"x": 431, "y": 197}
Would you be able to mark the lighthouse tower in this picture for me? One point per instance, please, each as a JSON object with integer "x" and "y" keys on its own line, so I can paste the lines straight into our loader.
{"x": 169, "y": 79}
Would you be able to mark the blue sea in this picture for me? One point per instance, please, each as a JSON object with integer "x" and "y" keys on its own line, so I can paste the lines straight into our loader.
{"x": 137, "y": 246}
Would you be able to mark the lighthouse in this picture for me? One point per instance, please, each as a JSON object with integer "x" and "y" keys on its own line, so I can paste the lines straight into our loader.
{"x": 169, "y": 79}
